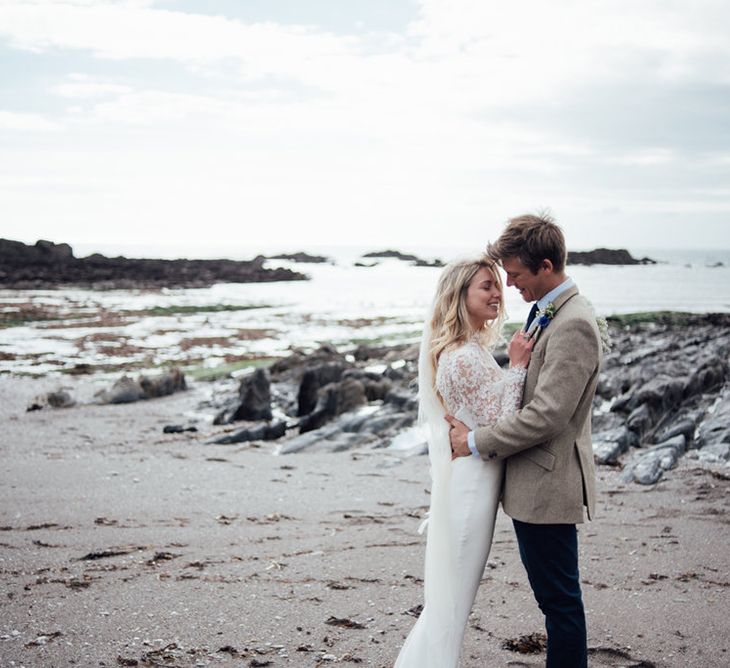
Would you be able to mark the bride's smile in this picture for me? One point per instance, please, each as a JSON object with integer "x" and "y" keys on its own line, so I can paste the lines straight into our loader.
{"x": 483, "y": 298}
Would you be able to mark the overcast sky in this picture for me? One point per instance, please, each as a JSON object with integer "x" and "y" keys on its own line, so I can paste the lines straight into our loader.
{"x": 377, "y": 122}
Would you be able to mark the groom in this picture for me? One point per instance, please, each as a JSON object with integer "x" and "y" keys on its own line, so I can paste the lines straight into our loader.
{"x": 549, "y": 473}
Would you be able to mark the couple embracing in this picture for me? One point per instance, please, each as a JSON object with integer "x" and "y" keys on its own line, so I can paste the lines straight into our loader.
{"x": 521, "y": 435}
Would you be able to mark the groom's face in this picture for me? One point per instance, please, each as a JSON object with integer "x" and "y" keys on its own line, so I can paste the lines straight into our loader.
{"x": 530, "y": 286}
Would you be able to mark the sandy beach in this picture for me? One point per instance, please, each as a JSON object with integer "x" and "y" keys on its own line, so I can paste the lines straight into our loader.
{"x": 122, "y": 545}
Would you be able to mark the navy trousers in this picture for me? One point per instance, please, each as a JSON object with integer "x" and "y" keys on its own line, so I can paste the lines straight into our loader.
{"x": 549, "y": 553}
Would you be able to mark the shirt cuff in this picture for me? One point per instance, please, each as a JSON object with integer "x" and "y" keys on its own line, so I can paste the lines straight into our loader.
{"x": 470, "y": 441}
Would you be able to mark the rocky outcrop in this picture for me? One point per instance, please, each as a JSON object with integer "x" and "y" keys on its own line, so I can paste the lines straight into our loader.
{"x": 46, "y": 264}
{"x": 162, "y": 385}
{"x": 264, "y": 431}
{"x": 667, "y": 386}
{"x": 610, "y": 444}
{"x": 436, "y": 262}
{"x": 253, "y": 401}
{"x": 663, "y": 394}
{"x": 334, "y": 399}
{"x": 314, "y": 379}
{"x": 302, "y": 257}
{"x": 55, "y": 399}
{"x": 126, "y": 389}
{"x": 332, "y": 402}
{"x": 391, "y": 254}
{"x": 606, "y": 256}
{"x": 713, "y": 435}
{"x": 648, "y": 466}
{"x": 406, "y": 257}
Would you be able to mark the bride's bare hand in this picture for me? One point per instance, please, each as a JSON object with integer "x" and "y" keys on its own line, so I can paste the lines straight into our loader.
{"x": 519, "y": 349}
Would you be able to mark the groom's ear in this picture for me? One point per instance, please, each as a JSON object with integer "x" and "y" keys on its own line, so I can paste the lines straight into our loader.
{"x": 546, "y": 266}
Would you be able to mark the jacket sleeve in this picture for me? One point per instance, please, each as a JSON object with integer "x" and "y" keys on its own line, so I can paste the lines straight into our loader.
{"x": 572, "y": 355}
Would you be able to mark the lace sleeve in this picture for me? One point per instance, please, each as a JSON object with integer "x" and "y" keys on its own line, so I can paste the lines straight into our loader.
{"x": 471, "y": 383}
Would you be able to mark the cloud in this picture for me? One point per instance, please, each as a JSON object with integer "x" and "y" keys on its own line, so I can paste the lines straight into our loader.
{"x": 83, "y": 86}
{"x": 478, "y": 109}
{"x": 10, "y": 120}
{"x": 131, "y": 30}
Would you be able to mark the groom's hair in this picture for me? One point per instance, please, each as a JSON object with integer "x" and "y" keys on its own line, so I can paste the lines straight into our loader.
{"x": 532, "y": 239}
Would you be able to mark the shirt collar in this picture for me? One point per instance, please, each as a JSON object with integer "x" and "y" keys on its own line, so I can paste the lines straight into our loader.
{"x": 553, "y": 294}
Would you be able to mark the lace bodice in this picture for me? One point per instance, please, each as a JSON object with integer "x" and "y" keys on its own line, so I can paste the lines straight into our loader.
{"x": 474, "y": 387}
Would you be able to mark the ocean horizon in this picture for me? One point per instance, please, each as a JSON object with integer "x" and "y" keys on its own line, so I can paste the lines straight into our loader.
{"x": 342, "y": 304}
{"x": 352, "y": 252}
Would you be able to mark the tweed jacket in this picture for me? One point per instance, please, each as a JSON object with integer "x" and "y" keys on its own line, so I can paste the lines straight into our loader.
{"x": 549, "y": 470}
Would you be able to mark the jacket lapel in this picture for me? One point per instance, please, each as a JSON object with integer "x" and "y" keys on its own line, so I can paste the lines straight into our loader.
{"x": 558, "y": 303}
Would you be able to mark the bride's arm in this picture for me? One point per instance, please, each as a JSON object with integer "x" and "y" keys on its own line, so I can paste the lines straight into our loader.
{"x": 486, "y": 392}
{"x": 514, "y": 383}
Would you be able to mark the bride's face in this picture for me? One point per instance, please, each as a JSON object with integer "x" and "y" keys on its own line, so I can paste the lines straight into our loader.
{"x": 483, "y": 298}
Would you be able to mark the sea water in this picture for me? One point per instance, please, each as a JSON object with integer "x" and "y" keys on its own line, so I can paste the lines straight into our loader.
{"x": 342, "y": 304}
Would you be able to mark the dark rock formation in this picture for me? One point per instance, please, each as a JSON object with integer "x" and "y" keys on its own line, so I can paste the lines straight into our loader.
{"x": 259, "y": 432}
{"x": 716, "y": 429}
{"x": 356, "y": 428}
{"x": 49, "y": 265}
{"x": 392, "y": 254}
{"x": 302, "y": 257}
{"x": 610, "y": 444}
{"x": 403, "y": 399}
{"x": 663, "y": 394}
{"x": 57, "y": 399}
{"x": 178, "y": 428}
{"x": 606, "y": 256}
{"x": 376, "y": 386}
{"x": 647, "y": 467}
{"x": 162, "y": 385}
{"x": 313, "y": 379}
{"x": 294, "y": 366}
{"x": 436, "y": 262}
{"x": 414, "y": 259}
{"x": 18, "y": 254}
{"x": 401, "y": 351}
{"x": 253, "y": 401}
{"x": 126, "y": 390}
{"x": 665, "y": 374}
{"x": 340, "y": 403}
{"x": 334, "y": 399}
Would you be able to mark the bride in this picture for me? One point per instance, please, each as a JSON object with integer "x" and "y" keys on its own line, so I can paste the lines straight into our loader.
{"x": 458, "y": 375}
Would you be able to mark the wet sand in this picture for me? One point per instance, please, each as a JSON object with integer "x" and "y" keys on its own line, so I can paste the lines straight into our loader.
{"x": 124, "y": 546}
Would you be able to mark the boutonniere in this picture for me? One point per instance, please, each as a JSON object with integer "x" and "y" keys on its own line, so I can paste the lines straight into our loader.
{"x": 542, "y": 319}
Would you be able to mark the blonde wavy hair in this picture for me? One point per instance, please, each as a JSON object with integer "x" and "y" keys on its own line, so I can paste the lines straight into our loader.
{"x": 450, "y": 324}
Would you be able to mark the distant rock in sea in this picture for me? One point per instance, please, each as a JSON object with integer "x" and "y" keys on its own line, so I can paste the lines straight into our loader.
{"x": 47, "y": 264}
{"x": 302, "y": 257}
{"x": 392, "y": 253}
{"x": 606, "y": 256}
{"x": 417, "y": 261}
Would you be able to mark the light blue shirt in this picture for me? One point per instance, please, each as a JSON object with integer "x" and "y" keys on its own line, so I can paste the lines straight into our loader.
{"x": 555, "y": 293}
{"x": 541, "y": 304}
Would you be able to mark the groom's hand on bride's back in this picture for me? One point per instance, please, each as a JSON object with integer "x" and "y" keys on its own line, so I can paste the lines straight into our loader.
{"x": 458, "y": 435}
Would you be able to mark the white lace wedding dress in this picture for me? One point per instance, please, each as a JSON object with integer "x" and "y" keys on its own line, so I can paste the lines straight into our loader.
{"x": 478, "y": 392}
